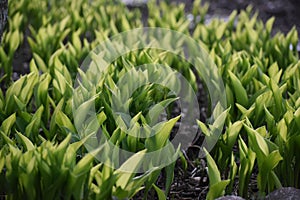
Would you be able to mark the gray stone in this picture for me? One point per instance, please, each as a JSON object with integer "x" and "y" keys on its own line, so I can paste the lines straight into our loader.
{"x": 286, "y": 193}
{"x": 230, "y": 197}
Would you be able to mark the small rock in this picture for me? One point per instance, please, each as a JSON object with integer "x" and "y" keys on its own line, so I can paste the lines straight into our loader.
{"x": 286, "y": 193}
{"x": 134, "y": 2}
{"x": 230, "y": 197}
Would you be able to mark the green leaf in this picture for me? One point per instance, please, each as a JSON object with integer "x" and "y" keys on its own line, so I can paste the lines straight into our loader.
{"x": 220, "y": 30}
{"x": 216, "y": 128}
{"x": 64, "y": 122}
{"x": 27, "y": 89}
{"x": 8, "y": 123}
{"x": 213, "y": 171}
{"x": 42, "y": 89}
{"x": 128, "y": 168}
{"x": 169, "y": 176}
{"x": 14, "y": 42}
{"x": 239, "y": 91}
{"x": 7, "y": 139}
{"x": 250, "y": 75}
{"x": 53, "y": 124}
{"x": 269, "y": 24}
{"x": 264, "y": 175}
{"x": 61, "y": 148}
{"x": 232, "y": 173}
{"x": 76, "y": 40}
{"x": 203, "y": 128}
{"x": 270, "y": 119}
{"x": 161, "y": 195}
{"x": 19, "y": 103}
{"x": 157, "y": 109}
{"x": 277, "y": 97}
{"x": 247, "y": 159}
{"x": 82, "y": 111}
{"x": 217, "y": 190}
{"x": 84, "y": 164}
{"x": 2, "y": 159}
{"x": 160, "y": 138}
{"x": 33, "y": 127}
{"x": 232, "y": 133}
{"x": 258, "y": 143}
{"x": 297, "y": 117}
{"x": 28, "y": 144}
{"x": 246, "y": 113}
{"x": 3, "y": 56}
{"x": 271, "y": 162}
{"x": 33, "y": 67}
{"x": 40, "y": 63}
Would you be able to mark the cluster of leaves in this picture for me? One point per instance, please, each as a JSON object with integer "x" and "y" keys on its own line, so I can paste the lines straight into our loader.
{"x": 41, "y": 151}
{"x": 261, "y": 76}
{"x": 39, "y": 141}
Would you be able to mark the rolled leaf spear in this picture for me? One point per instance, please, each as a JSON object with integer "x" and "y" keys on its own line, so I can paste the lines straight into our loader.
{"x": 3, "y": 16}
